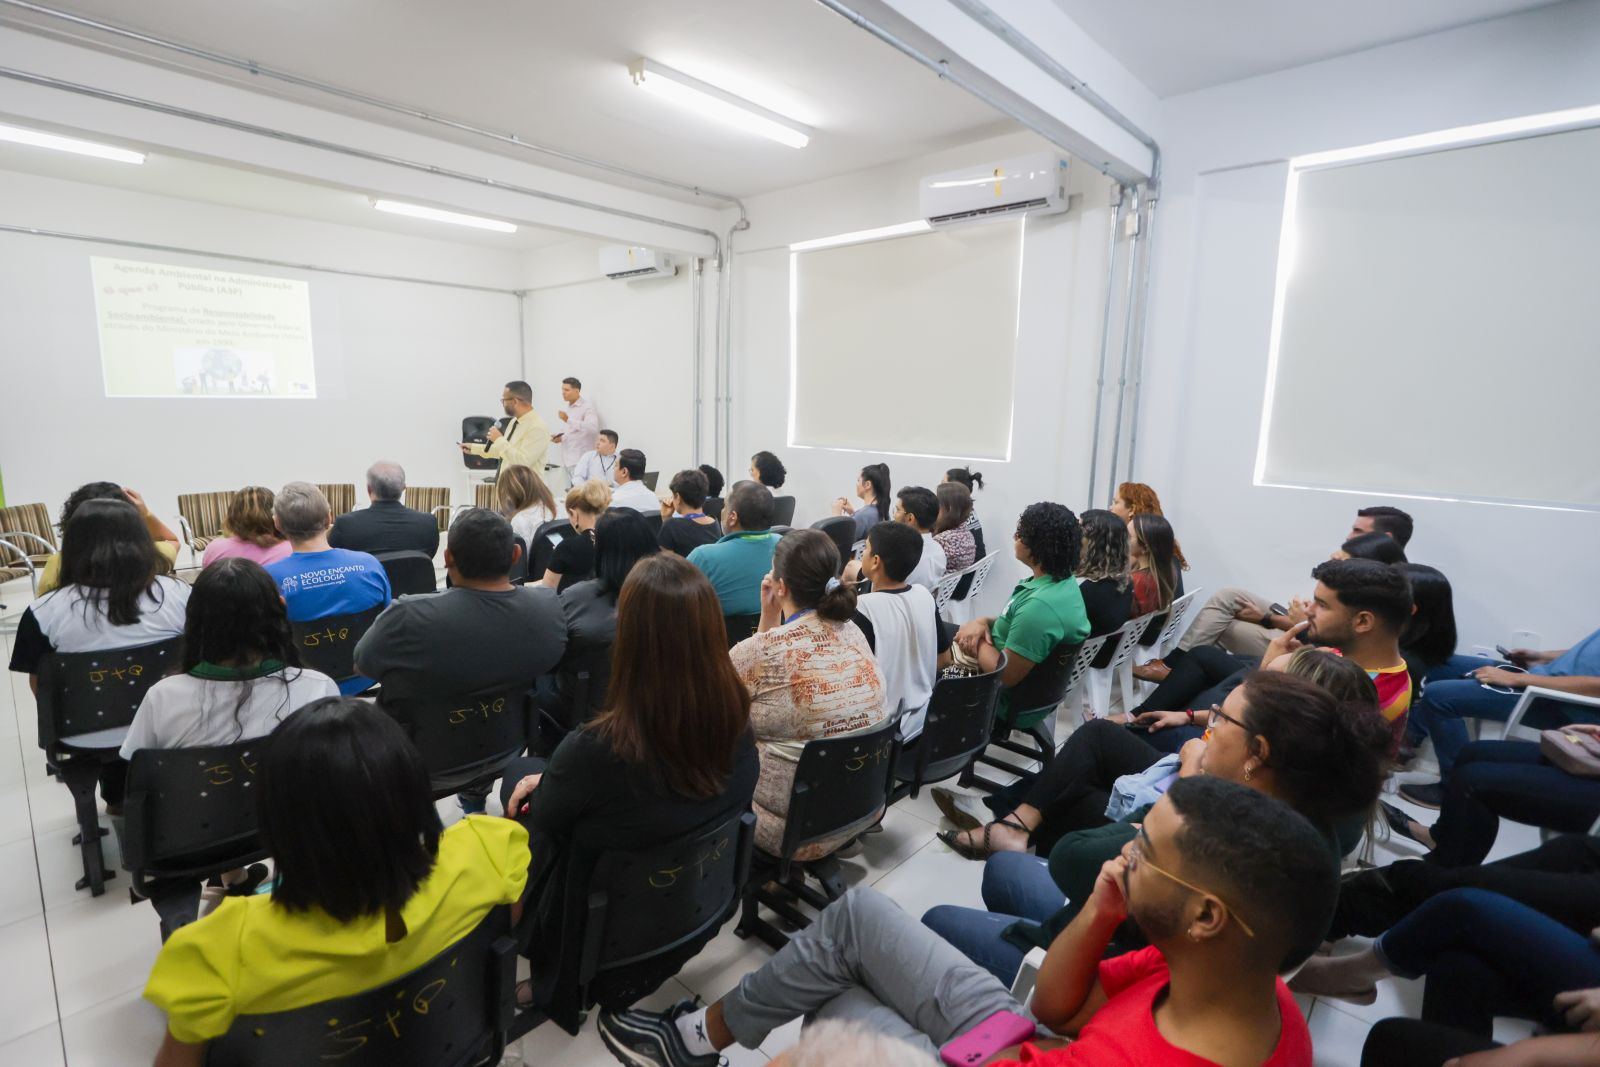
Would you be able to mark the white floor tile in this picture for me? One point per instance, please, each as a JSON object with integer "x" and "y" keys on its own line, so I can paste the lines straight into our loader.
{"x": 107, "y": 1034}
{"x": 41, "y": 1048}
{"x": 102, "y": 948}
{"x": 27, "y": 998}
{"x": 19, "y": 882}
{"x": 935, "y": 875}
{"x": 1336, "y": 1038}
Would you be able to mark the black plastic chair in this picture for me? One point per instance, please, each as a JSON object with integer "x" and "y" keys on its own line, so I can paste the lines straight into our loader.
{"x": 713, "y": 507}
{"x": 653, "y": 520}
{"x": 328, "y": 644}
{"x": 841, "y": 530}
{"x": 409, "y": 571}
{"x": 545, "y": 540}
{"x": 1030, "y": 711}
{"x": 86, "y": 702}
{"x": 740, "y": 627}
{"x": 957, "y": 727}
{"x": 964, "y": 586}
{"x": 583, "y": 681}
{"x": 782, "y": 510}
{"x": 841, "y": 787}
{"x": 453, "y": 1011}
{"x": 650, "y": 479}
{"x": 465, "y": 739}
{"x": 638, "y": 918}
{"x": 519, "y": 569}
{"x": 191, "y": 812}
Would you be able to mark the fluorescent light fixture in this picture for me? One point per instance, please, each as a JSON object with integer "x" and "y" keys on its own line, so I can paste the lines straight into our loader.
{"x": 40, "y": 139}
{"x": 1459, "y": 136}
{"x": 433, "y": 214}
{"x": 899, "y": 229}
{"x": 717, "y": 104}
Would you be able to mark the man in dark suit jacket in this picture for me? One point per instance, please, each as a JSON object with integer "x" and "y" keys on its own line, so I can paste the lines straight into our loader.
{"x": 387, "y": 525}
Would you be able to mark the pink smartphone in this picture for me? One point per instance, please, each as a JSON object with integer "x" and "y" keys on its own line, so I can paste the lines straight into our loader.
{"x": 995, "y": 1034}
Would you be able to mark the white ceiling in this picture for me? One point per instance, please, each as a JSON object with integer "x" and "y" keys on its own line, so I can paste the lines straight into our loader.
{"x": 555, "y": 71}
{"x": 1177, "y": 46}
{"x": 207, "y": 182}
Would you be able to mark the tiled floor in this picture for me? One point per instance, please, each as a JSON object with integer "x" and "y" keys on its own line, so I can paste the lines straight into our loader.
{"x": 73, "y": 965}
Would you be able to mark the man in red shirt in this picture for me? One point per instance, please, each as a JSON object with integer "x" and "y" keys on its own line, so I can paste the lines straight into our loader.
{"x": 1230, "y": 886}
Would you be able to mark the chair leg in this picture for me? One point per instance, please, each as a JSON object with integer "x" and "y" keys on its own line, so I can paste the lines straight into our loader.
{"x": 81, "y": 780}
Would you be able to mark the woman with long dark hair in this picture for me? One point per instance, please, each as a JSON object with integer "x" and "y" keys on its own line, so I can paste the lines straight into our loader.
{"x": 672, "y": 750}
{"x": 368, "y": 886}
{"x": 161, "y": 535}
{"x": 112, "y": 595}
{"x": 1153, "y": 563}
{"x": 951, "y": 530}
{"x": 873, "y": 490}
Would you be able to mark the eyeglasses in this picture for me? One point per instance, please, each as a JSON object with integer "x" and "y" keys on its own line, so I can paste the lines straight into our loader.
{"x": 1217, "y": 713}
{"x": 1136, "y": 858}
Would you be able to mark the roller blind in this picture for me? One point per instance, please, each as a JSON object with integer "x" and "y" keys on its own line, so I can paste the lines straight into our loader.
{"x": 908, "y": 344}
{"x": 1439, "y": 332}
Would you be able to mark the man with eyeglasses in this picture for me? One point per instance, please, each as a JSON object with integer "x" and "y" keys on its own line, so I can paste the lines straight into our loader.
{"x": 1231, "y": 886}
{"x": 525, "y": 439}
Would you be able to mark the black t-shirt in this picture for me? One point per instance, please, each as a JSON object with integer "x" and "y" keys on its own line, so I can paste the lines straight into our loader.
{"x": 573, "y": 559}
{"x": 683, "y": 535}
{"x": 1108, "y": 608}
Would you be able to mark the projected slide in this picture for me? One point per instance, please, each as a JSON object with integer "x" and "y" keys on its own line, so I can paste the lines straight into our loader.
{"x": 170, "y": 331}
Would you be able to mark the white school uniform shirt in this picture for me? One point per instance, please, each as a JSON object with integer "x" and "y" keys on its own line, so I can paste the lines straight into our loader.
{"x": 635, "y": 495}
{"x": 188, "y": 712}
{"x": 70, "y": 625}
{"x": 579, "y": 432}
{"x": 526, "y": 523}
{"x": 931, "y": 567}
{"x": 905, "y": 641}
{"x": 594, "y": 465}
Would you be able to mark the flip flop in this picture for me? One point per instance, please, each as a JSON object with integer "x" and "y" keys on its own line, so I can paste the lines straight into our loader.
{"x": 981, "y": 852}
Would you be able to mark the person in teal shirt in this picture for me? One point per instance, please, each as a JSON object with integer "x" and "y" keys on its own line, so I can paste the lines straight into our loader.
{"x": 738, "y": 560}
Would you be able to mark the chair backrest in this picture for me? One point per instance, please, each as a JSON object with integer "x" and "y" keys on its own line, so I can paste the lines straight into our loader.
{"x": 841, "y": 530}
{"x": 341, "y": 496}
{"x": 1179, "y": 616}
{"x": 650, "y": 479}
{"x": 545, "y": 539}
{"x": 519, "y": 569}
{"x": 964, "y": 588}
{"x": 980, "y": 574}
{"x": 33, "y": 522}
{"x": 713, "y": 507}
{"x": 782, "y": 510}
{"x": 192, "y": 810}
{"x": 452, "y": 1011}
{"x": 1086, "y": 657}
{"x": 486, "y": 495}
{"x": 958, "y": 725}
{"x": 583, "y": 680}
{"x": 430, "y": 499}
{"x": 462, "y": 737}
{"x": 1127, "y": 637}
{"x": 945, "y": 590}
{"x": 409, "y": 571}
{"x": 328, "y": 644}
{"x": 204, "y": 512}
{"x": 740, "y": 627}
{"x": 653, "y": 520}
{"x": 1047, "y": 683}
{"x": 840, "y": 784}
{"x": 86, "y": 692}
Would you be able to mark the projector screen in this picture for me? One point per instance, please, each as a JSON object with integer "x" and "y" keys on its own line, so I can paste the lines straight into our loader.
{"x": 169, "y": 331}
{"x": 1436, "y": 326}
{"x": 884, "y": 334}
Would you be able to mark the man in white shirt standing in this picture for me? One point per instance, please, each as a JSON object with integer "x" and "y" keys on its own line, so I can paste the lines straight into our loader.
{"x": 631, "y": 492}
{"x": 918, "y": 508}
{"x": 580, "y": 426}
{"x": 600, "y": 463}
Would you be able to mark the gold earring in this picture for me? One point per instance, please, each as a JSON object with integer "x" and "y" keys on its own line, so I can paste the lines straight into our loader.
{"x": 1247, "y": 771}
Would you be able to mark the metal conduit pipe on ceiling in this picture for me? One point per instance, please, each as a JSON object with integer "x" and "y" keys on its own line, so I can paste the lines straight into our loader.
{"x": 1118, "y": 198}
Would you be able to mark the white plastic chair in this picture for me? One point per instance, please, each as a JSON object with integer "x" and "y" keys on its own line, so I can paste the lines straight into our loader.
{"x": 967, "y": 604}
{"x": 1077, "y": 680}
{"x": 1180, "y": 616}
{"x": 1101, "y": 679}
{"x": 1533, "y": 693}
{"x": 947, "y": 586}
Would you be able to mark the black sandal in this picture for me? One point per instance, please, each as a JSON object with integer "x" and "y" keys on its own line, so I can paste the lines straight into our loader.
{"x": 1400, "y": 823}
{"x": 983, "y": 852}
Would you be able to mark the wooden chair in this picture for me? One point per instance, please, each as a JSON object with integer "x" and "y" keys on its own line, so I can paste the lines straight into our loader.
{"x": 27, "y": 540}
{"x": 341, "y": 496}
{"x": 435, "y": 499}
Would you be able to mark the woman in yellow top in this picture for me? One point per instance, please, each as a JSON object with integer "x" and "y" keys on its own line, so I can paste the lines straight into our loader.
{"x": 368, "y": 886}
{"x": 166, "y": 541}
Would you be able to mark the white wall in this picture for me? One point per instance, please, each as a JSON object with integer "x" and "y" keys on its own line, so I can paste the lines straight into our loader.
{"x": 1212, "y": 303}
{"x": 398, "y": 364}
{"x": 1063, "y": 282}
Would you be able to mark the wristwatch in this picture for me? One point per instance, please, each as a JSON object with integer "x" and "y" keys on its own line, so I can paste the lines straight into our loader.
{"x": 1266, "y": 620}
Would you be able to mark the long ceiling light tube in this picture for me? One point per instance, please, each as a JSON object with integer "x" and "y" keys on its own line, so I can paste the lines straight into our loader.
{"x": 76, "y": 145}
{"x": 717, "y": 104}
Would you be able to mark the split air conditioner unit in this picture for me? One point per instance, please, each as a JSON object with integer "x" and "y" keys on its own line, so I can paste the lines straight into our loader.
{"x": 622, "y": 262}
{"x": 1030, "y": 185}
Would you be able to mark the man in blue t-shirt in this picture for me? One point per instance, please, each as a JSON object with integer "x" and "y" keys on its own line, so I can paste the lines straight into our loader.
{"x": 317, "y": 581}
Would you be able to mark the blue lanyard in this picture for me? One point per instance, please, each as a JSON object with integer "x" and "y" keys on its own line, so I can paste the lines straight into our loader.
{"x": 695, "y": 515}
{"x": 797, "y": 615}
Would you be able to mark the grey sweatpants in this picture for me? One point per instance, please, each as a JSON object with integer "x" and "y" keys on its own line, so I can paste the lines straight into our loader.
{"x": 1215, "y": 625}
{"x": 866, "y": 960}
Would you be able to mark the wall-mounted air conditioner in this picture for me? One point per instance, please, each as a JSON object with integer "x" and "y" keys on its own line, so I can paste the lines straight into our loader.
{"x": 627, "y": 262}
{"x": 1030, "y": 185}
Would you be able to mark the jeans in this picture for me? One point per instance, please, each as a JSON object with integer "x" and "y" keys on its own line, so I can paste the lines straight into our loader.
{"x": 1015, "y": 886}
{"x": 1507, "y": 779}
{"x": 1485, "y": 955}
{"x": 1448, "y": 702}
{"x": 1194, "y": 677}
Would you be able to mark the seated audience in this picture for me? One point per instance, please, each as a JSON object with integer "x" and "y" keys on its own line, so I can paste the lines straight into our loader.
{"x": 621, "y": 539}
{"x": 1222, "y": 879}
{"x": 1482, "y": 954}
{"x": 901, "y": 623}
{"x": 1153, "y": 566}
{"x": 482, "y": 635}
{"x": 248, "y": 531}
{"x": 1310, "y": 738}
{"x": 769, "y": 470}
{"x": 317, "y": 580}
{"x": 630, "y": 491}
{"x": 971, "y": 481}
{"x": 741, "y": 557}
{"x": 365, "y": 892}
{"x": 919, "y": 508}
{"x": 161, "y": 534}
{"x": 1491, "y": 692}
{"x": 872, "y": 489}
{"x": 1242, "y": 622}
{"x": 1373, "y": 546}
{"x": 525, "y": 501}
{"x": 386, "y": 524}
{"x": 600, "y": 463}
{"x": 1429, "y": 639}
{"x": 714, "y": 479}
{"x": 685, "y": 526}
{"x": 240, "y": 679}
{"x": 672, "y": 751}
{"x": 1103, "y": 580}
{"x": 112, "y": 594}
{"x": 573, "y": 559}
{"x": 1044, "y": 610}
{"x": 950, "y": 529}
{"x": 810, "y": 672}
{"x": 1135, "y": 498}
